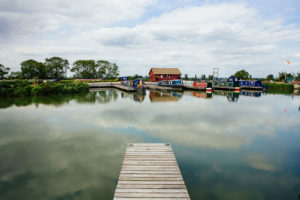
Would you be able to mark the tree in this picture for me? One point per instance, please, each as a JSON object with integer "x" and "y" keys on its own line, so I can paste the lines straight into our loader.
{"x": 15, "y": 75}
{"x": 270, "y": 77}
{"x": 31, "y": 69}
{"x": 3, "y": 71}
{"x": 102, "y": 68}
{"x": 283, "y": 75}
{"x": 113, "y": 71}
{"x": 203, "y": 77}
{"x": 84, "y": 69}
{"x": 56, "y": 67}
{"x": 107, "y": 70}
{"x": 242, "y": 74}
{"x": 186, "y": 77}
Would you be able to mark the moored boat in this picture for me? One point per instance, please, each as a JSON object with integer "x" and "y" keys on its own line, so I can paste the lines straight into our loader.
{"x": 231, "y": 83}
{"x": 251, "y": 84}
{"x": 198, "y": 85}
{"x": 171, "y": 83}
{"x": 137, "y": 84}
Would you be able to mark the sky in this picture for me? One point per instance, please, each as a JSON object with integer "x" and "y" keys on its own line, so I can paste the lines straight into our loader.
{"x": 195, "y": 36}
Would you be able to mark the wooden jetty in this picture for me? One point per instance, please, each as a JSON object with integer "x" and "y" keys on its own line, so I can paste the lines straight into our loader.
{"x": 117, "y": 85}
{"x": 150, "y": 171}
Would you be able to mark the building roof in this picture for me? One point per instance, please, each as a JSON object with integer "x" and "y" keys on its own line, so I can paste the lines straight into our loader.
{"x": 166, "y": 71}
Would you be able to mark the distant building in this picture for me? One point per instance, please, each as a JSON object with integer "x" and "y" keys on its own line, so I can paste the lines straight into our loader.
{"x": 161, "y": 74}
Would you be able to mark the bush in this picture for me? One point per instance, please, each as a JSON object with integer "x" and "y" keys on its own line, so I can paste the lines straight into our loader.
{"x": 36, "y": 90}
{"x": 25, "y": 88}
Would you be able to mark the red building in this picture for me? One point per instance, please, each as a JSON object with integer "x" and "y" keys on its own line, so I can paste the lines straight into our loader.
{"x": 161, "y": 74}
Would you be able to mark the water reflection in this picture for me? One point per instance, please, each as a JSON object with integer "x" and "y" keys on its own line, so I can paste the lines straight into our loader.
{"x": 247, "y": 150}
{"x": 156, "y": 96}
{"x": 136, "y": 96}
{"x": 231, "y": 96}
{"x": 57, "y": 101}
{"x": 251, "y": 93}
{"x": 104, "y": 96}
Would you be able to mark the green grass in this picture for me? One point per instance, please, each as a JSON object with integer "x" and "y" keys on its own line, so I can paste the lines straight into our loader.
{"x": 279, "y": 88}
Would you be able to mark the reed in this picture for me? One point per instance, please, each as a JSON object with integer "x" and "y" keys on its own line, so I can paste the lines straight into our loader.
{"x": 279, "y": 88}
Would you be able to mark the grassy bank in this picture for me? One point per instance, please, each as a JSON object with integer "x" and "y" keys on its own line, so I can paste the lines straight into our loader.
{"x": 279, "y": 88}
{"x": 26, "y": 88}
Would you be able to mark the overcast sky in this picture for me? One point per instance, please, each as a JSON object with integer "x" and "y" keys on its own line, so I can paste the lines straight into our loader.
{"x": 256, "y": 35}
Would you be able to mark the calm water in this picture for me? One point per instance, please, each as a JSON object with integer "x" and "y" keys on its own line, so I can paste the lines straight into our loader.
{"x": 228, "y": 146}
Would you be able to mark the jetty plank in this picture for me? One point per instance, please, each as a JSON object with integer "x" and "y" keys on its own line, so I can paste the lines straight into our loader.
{"x": 150, "y": 171}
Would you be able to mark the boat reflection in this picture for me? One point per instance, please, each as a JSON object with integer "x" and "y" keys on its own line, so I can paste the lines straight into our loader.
{"x": 204, "y": 95}
{"x": 156, "y": 96}
{"x": 251, "y": 93}
{"x": 231, "y": 96}
{"x": 138, "y": 96}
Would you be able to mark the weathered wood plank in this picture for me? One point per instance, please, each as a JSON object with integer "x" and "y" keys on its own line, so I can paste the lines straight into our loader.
{"x": 118, "y": 190}
{"x": 150, "y": 171}
{"x": 137, "y": 186}
{"x": 126, "y": 178}
{"x": 150, "y": 194}
{"x": 122, "y": 198}
{"x": 150, "y": 175}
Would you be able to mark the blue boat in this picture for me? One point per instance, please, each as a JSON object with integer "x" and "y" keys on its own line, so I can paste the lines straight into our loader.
{"x": 231, "y": 83}
{"x": 137, "y": 84}
{"x": 171, "y": 83}
{"x": 255, "y": 84}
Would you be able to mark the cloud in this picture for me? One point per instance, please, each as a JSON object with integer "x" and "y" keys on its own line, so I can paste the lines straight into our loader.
{"x": 195, "y": 38}
{"x": 260, "y": 162}
{"x": 33, "y": 16}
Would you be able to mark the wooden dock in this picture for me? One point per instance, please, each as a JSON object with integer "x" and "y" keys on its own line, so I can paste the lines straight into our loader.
{"x": 117, "y": 85}
{"x": 150, "y": 171}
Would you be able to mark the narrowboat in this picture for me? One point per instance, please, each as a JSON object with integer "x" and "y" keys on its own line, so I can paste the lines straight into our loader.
{"x": 171, "y": 83}
{"x": 203, "y": 85}
{"x": 137, "y": 84}
{"x": 231, "y": 83}
{"x": 255, "y": 84}
{"x": 198, "y": 85}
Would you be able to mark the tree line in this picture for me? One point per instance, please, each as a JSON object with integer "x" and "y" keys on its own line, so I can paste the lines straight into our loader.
{"x": 244, "y": 75}
{"x": 56, "y": 67}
